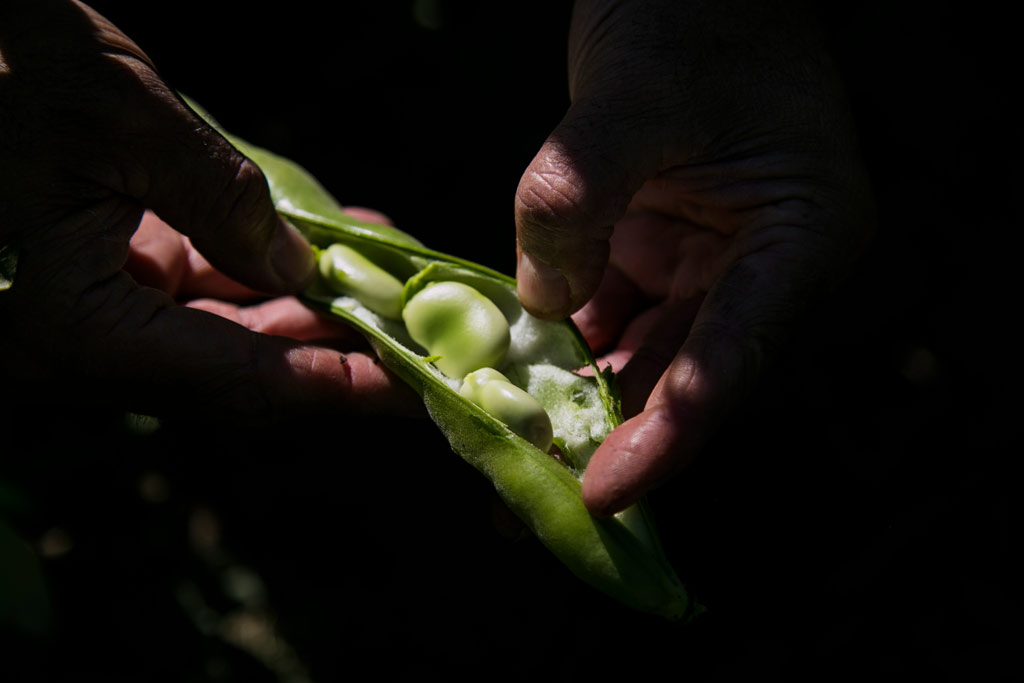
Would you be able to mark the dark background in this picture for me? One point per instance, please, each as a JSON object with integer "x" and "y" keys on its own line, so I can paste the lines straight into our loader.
{"x": 852, "y": 520}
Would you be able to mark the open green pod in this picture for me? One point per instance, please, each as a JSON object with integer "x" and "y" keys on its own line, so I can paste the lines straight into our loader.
{"x": 620, "y": 556}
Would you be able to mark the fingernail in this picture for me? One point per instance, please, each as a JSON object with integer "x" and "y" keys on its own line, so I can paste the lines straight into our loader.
{"x": 542, "y": 289}
{"x": 291, "y": 256}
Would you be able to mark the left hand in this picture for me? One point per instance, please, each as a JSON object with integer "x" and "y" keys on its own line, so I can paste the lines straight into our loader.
{"x": 91, "y": 137}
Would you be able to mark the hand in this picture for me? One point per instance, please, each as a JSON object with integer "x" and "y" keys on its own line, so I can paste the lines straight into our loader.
{"x": 91, "y": 137}
{"x": 703, "y": 188}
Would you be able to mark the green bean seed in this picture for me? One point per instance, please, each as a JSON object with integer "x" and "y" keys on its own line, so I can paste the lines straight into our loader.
{"x": 462, "y": 326}
{"x": 520, "y": 412}
{"x": 348, "y": 272}
{"x": 473, "y": 384}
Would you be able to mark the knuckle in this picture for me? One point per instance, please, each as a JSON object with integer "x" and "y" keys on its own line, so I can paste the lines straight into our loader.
{"x": 555, "y": 215}
{"x": 547, "y": 200}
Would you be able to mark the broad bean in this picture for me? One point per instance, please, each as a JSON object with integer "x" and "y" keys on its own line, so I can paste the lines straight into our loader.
{"x": 462, "y": 326}
{"x": 348, "y": 272}
{"x": 521, "y": 412}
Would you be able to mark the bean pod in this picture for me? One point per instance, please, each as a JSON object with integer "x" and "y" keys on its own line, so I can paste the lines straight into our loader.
{"x": 620, "y": 556}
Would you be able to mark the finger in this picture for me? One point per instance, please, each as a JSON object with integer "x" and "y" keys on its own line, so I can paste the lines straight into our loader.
{"x": 574, "y": 190}
{"x": 215, "y": 366}
{"x": 201, "y": 279}
{"x": 209, "y": 191}
{"x": 603, "y": 318}
{"x": 654, "y": 339}
{"x": 665, "y": 255}
{"x": 743, "y": 319}
{"x": 265, "y": 375}
{"x": 368, "y": 215}
{"x": 163, "y": 258}
{"x": 632, "y": 337}
{"x": 157, "y": 256}
{"x": 286, "y": 317}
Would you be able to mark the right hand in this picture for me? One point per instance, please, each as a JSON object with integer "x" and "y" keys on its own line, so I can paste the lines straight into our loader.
{"x": 702, "y": 189}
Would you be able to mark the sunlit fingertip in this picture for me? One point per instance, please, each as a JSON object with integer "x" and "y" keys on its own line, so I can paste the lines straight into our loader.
{"x": 543, "y": 290}
{"x": 292, "y": 257}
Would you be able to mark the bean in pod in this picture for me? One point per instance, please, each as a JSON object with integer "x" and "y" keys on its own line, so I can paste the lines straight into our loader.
{"x": 547, "y": 361}
{"x": 348, "y": 272}
{"x": 522, "y": 413}
{"x": 461, "y": 327}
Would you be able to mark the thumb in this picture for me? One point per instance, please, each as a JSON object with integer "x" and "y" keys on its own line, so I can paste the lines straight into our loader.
{"x": 95, "y": 118}
{"x": 570, "y": 196}
{"x": 208, "y": 190}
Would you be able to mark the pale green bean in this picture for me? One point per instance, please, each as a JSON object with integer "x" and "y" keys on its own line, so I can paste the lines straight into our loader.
{"x": 348, "y": 272}
{"x": 520, "y": 412}
{"x": 459, "y": 325}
